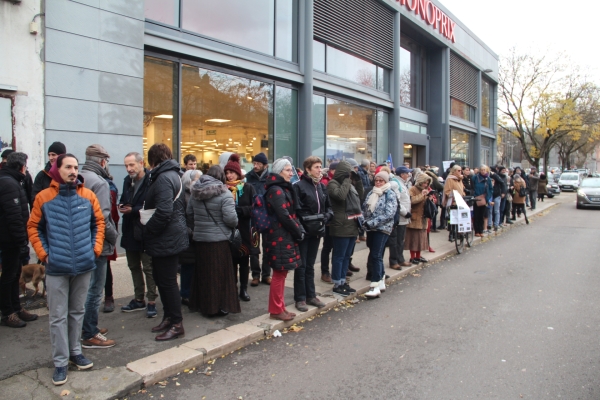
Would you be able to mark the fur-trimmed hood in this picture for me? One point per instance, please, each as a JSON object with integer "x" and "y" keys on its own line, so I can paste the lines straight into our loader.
{"x": 207, "y": 187}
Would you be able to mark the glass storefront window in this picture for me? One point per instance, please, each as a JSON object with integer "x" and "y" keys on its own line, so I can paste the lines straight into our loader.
{"x": 412, "y": 74}
{"x": 160, "y": 103}
{"x": 286, "y": 27}
{"x": 165, "y": 11}
{"x": 383, "y": 149}
{"x": 286, "y": 123}
{"x": 486, "y": 103}
{"x": 351, "y": 68}
{"x": 318, "y": 127}
{"x": 486, "y": 150}
{"x": 462, "y": 110}
{"x": 459, "y": 147}
{"x": 222, "y": 112}
{"x": 319, "y": 56}
{"x": 351, "y": 131}
{"x": 408, "y": 127}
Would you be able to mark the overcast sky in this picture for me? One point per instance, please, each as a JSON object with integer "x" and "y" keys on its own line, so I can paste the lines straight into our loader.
{"x": 536, "y": 25}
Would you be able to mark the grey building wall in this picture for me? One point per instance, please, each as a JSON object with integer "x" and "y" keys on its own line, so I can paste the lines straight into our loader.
{"x": 94, "y": 77}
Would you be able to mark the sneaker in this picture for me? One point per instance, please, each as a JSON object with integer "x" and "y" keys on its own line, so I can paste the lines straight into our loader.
{"x": 315, "y": 302}
{"x": 341, "y": 290}
{"x": 134, "y": 305}
{"x": 373, "y": 292}
{"x": 13, "y": 321}
{"x": 301, "y": 306}
{"x": 26, "y": 316}
{"x": 99, "y": 341}
{"x": 382, "y": 285}
{"x": 151, "y": 311}
{"x": 326, "y": 278}
{"x": 349, "y": 289}
{"x": 60, "y": 376}
{"x": 80, "y": 362}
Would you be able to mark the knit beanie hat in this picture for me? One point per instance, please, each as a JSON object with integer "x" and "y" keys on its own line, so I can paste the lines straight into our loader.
{"x": 352, "y": 162}
{"x": 261, "y": 158}
{"x": 333, "y": 165}
{"x": 58, "y": 148}
{"x": 234, "y": 165}
{"x": 279, "y": 165}
{"x": 383, "y": 175}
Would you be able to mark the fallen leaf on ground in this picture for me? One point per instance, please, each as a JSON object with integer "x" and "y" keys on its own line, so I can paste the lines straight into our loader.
{"x": 296, "y": 328}
{"x": 65, "y": 393}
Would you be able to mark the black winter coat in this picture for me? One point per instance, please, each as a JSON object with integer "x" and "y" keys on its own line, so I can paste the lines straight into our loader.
{"x": 258, "y": 182}
{"x": 281, "y": 247}
{"x": 312, "y": 199}
{"x": 42, "y": 181}
{"x": 14, "y": 208}
{"x": 499, "y": 185}
{"x": 165, "y": 234}
{"x": 130, "y": 220}
{"x": 243, "y": 209}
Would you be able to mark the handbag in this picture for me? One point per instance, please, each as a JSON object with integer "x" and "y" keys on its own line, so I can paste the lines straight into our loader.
{"x": 480, "y": 200}
{"x": 145, "y": 215}
{"x": 313, "y": 224}
{"x": 353, "y": 209}
{"x": 235, "y": 239}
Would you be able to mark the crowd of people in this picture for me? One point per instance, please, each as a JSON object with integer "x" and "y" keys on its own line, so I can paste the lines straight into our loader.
{"x": 202, "y": 227}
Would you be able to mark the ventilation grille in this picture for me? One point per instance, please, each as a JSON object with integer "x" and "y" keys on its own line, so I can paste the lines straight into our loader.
{"x": 362, "y": 27}
{"x": 463, "y": 81}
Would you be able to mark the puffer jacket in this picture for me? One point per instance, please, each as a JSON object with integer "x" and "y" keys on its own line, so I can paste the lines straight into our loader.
{"x": 382, "y": 218}
{"x": 257, "y": 181}
{"x": 165, "y": 234}
{"x": 42, "y": 180}
{"x": 312, "y": 199}
{"x": 337, "y": 189}
{"x": 281, "y": 247}
{"x": 101, "y": 189}
{"x": 66, "y": 228}
{"x": 136, "y": 201}
{"x": 404, "y": 199}
{"x": 210, "y": 193}
{"x": 14, "y": 208}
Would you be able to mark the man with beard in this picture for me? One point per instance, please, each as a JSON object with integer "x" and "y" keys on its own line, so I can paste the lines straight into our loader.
{"x": 257, "y": 178}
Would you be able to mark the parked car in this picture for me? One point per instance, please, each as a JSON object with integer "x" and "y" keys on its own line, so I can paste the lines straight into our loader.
{"x": 553, "y": 189}
{"x": 569, "y": 181}
{"x": 588, "y": 194}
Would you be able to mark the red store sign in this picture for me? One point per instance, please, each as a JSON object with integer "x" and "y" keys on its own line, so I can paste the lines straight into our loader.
{"x": 432, "y": 16}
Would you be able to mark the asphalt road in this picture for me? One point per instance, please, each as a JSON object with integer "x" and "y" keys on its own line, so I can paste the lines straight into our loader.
{"x": 517, "y": 316}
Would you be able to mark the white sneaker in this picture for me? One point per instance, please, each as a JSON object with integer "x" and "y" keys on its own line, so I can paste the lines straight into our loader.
{"x": 373, "y": 291}
{"x": 382, "y": 285}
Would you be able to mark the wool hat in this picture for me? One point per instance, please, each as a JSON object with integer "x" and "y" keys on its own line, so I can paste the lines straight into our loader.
{"x": 352, "y": 162}
{"x": 57, "y": 148}
{"x": 234, "y": 165}
{"x": 279, "y": 165}
{"x": 96, "y": 150}
{"x": 6, "y": 152}
{"x": 261, "y": 158}
{"x": 333, "y": 165}
{"x": 403, "y": 170}
{"x": 383, "y": 175}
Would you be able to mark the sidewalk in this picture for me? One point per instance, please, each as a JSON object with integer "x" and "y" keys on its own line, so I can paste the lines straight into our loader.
{"x": 25, "y": 363}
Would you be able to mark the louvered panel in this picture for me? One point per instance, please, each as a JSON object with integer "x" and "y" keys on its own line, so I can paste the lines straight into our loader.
{"x": 463, "y": 81}
{"x": 362, "y": 27}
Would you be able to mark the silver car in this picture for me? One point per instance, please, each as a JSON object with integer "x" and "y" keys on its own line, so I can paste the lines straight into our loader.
{"x": 588, "y": 194}
{"x": 569, "y": 181}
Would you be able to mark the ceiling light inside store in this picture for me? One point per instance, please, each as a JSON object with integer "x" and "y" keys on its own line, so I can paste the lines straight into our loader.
{"x": 357, "y": 138}
{"x": 166, "y": 116}
{"x": 463, "y": 141}
{"x": 230, "y": 139}
{"x": 362, "y": 148}
{"x": 188, "y": 142}
{"x": 249, "y": 98}
{"x": 196, "y": 87}
{"x": 341, "y": 115}
{"x": 209, "y": 141}
{"x": 333, "y": 136}
{"x": 453, "y": 138}
{"x": 217, "y": 120}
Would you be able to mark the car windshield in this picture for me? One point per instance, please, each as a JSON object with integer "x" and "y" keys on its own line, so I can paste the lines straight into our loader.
{"x": 569, "y": 177}
{"x": 591, "y": 182}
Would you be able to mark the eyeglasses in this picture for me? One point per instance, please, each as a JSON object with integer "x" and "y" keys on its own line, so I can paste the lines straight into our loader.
{"x": 379, "y": 180}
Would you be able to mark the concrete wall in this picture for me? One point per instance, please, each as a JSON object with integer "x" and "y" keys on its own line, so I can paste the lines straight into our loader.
{"x": 22, "y": 66}
{"x": 94, "y": 76}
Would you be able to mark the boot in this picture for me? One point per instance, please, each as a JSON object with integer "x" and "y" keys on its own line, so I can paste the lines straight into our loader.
{"x": 176, "y": 331}
{"x": 374, "y": 290}
{"x": 244, "y": 294}
{"x": 163, "y": 326}
{"x": 431, "y": 250}
{"x": 109, "y": 304}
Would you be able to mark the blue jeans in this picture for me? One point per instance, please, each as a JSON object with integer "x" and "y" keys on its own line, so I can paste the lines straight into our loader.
{"x": 343, "y": 247}
{"x": 494, "y": 213}
{"x": 376, "y": 243}
{"x": 94, "y": 298}
{"x": 187, "y": 273}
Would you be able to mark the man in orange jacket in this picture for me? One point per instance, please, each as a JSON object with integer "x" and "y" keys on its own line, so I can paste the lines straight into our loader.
{"x": 66, "y": 230}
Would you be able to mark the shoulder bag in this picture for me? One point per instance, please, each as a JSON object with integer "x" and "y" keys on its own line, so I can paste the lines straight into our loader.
{"x": 481, "y": 199}
{"x": 145, "y": 214}
{"x": 235, "y": 239}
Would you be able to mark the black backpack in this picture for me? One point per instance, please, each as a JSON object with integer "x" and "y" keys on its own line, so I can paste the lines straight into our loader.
{"x": 523, "y": 191}
{"x": 429, "y": 209}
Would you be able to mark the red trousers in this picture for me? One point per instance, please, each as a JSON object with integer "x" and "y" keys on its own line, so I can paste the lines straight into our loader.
{"x": 276, "y": 300}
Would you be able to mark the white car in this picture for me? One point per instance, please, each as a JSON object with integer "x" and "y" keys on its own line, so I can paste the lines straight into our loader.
{"x": 569, "y": 181}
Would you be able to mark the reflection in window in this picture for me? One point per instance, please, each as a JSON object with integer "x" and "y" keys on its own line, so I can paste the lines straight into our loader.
{"x": 486, "y": 103}
{"x": 486, "y": 150}
{"x": 459, "y": 147}
{"x": 412, "y": 74}
{"x": 350, "y": 131}
{"x": 319, "y": 56}
{"x": 250, "y": 24}
{"x": 462, "y": 110}
{"x": 286, "y": 122}
{"x": 318, "y": 127}
{"x": 160, "y": 103}
{"x": 382, "y": 137}
{"x": 165, "y": 11}
{"x": 222, "y": 112}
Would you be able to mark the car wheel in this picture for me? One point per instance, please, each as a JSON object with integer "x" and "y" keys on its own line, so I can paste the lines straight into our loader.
{"x": 578, "y": 206}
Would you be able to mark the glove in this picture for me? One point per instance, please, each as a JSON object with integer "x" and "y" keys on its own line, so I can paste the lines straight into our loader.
{"x": 408, "y": 215}
{"x": 321, "y": 231}
{"x": 239, "y": 211}
{"x": 301, "y": 237}
{"x": 24, "y": 251}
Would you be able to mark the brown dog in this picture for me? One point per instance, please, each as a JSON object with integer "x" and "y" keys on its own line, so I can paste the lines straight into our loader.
{"x": 34, "y": 273}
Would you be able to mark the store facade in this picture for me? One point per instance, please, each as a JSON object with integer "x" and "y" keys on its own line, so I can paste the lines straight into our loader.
{"x": 360, "y": 79}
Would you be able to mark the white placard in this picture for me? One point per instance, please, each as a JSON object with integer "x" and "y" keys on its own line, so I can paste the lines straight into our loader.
{"x": 446, "y": 165}
{"x": 463, "y": 213}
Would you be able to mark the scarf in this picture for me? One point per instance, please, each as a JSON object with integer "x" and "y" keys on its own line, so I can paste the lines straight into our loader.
{"x": 95, "y": 168}
{"x": 375, "y": 195}
{"x": 315, "y": 180}
{"x": 235, "y": 187}
{"x": 55, "y": 175}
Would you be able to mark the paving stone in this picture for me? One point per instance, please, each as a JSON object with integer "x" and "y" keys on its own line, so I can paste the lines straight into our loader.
{"x": 161, "y": 365}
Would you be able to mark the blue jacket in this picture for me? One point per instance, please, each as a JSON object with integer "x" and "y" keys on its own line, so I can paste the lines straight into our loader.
{"x": 66, "y": 228}
{"x": 479, "y": 186}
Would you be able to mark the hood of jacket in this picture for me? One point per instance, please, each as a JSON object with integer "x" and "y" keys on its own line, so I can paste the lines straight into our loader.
{"x": 207, "y": 187}
{"x": 342, "y": 171}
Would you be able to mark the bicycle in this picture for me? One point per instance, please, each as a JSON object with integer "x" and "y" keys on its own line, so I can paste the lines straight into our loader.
{"x": 459, "y": 238}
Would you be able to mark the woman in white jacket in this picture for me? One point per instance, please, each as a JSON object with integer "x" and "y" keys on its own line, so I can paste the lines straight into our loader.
{"x": 396, "y": 239}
